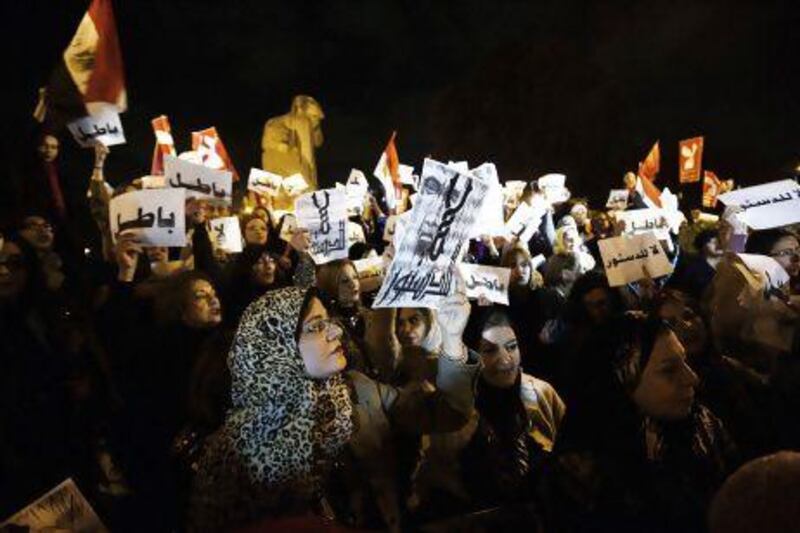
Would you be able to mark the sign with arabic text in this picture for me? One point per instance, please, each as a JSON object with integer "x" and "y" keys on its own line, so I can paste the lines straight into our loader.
{"x": 766, "y": 206}
{"x": 324, "y": 214}
{"x": 155, "y": 216}
{"x": 104, "y": 127}
{"x": 199, "y": 181}
{"x": 226, "y": 234}
{"x": 626, "y": 257}
{"x": 485, "y": 281}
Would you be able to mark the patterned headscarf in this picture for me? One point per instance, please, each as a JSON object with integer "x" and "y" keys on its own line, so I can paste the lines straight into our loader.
{"x": 283, "y": 429}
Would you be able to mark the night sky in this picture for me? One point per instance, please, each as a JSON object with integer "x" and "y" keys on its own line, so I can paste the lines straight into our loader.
{"x": 533, "y": 86}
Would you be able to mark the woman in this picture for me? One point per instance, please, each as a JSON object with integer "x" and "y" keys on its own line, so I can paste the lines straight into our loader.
{"x": 636, "y": 452}
{"x": 254, "y": 272}
{"x": 339, "y": 281}
{"x": 530, "y": 304}
{"x": 153, "y": 358}
{"x": 296, "y": 412}
{"x": 781, "y": 245}
{"x": 736, "y": 394}
{"x": 569, "y": 240}
{"x": 494, "y": 460}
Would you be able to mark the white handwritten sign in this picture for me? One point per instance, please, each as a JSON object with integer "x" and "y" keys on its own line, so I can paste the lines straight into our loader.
{"x": 645, "y": 220}
{"x": 64, "y": 508}
{"x": 226, "y": 234}
{"x": 491, "y": 215}
{"x": 407, "y": 175}
{"x": 766, "y": 206}
{"x": 485, "y": 281}
{"x": 263, "y": 182}
{"x": 423, "y": 269}
{"x": 155, "y": 216}
{"x": 153, "y": 182}
{"x": 294, "y": 184}
{"x": 773, "y": 274}
{"x": 104, "y": 127}
{"x": 288, "y": 227}
{"x": 370, "y": 272}
{"x": 626, "y": 256}
{"x": 553, "y": 187}
{"x": 617, "y": 199}
{"x": 525, "y": 221}
{"x": 355, "y": 233}
{"x": 199, "y": 181}
{"x": 324, "y": 214}
{"x": 513, "y": 188}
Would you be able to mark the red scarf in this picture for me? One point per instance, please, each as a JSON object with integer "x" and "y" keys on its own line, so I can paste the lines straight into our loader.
{"x": 56, "y": 195}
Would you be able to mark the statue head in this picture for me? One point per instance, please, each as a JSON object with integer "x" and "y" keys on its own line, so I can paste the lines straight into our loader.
{"x": 309, "y": 108}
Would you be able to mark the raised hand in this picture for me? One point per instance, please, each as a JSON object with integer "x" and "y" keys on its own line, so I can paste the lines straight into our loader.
{"x": 127, "y": 255}
{"x": 453, "y": 316}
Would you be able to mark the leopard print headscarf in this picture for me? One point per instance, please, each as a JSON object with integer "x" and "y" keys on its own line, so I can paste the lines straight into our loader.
{"x": 283, "y": 427}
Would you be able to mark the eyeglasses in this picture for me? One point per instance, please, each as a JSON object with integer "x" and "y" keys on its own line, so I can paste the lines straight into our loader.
{"x": 787, "y": 252}
{"x": 319, "y": 325}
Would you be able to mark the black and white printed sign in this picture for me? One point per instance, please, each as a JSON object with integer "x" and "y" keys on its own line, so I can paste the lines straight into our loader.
{"x": 423, "y": 270}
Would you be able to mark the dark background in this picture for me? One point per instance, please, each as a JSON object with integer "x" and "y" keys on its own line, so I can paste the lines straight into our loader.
{"x": 577, "y": 87}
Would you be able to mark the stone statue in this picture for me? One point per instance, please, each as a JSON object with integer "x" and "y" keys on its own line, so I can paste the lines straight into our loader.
{"x": 288, "y": 144}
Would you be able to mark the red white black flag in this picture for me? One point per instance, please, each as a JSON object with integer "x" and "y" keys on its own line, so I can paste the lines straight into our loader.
{"x": 90, "y": 76}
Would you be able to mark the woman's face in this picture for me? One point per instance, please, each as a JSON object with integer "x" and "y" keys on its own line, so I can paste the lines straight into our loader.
{"x": 666, "y": 388}
{"x": 787, "y": 252}
{"x": 203, "y": 309}
{"x": 12, "y": 271}
{"x": 320, "y": 343}
{"x": 264, "y": 270}
{"x": 256, "y": 232}
{"x": 571, "y": 239}
{"x": 411, "y": 327}
{"x": 48, "y": 148}
{"x": 347, "y": 286}
{"x": 597, "y": 305}
{"x": 520, "y": 271}
{"x": 500, "y": 356}
{"x": 689, "y": 326}
{"x": 157, "y": 254}
{"x": 38, "y": 233}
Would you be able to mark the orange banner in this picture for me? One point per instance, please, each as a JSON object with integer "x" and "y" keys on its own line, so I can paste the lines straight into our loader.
{"x": 690, "y": 160}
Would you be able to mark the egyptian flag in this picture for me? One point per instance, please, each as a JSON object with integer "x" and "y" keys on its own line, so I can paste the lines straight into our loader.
{"x": 90, "y": 75}
{"x": 650, "y": 193}
{"x": 388, "y": 172}
{"x": 211, "y": 150}
{"x": 164, "y": 144}
{"x": 652, "y": 163}
{"x": 711, "y": 189}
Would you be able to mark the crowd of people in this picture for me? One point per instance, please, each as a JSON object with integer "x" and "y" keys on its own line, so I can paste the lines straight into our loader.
{"x": 191, "y": 389}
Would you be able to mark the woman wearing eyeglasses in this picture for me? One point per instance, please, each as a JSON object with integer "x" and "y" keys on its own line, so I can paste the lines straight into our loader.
{"x": 299, "y": 421}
